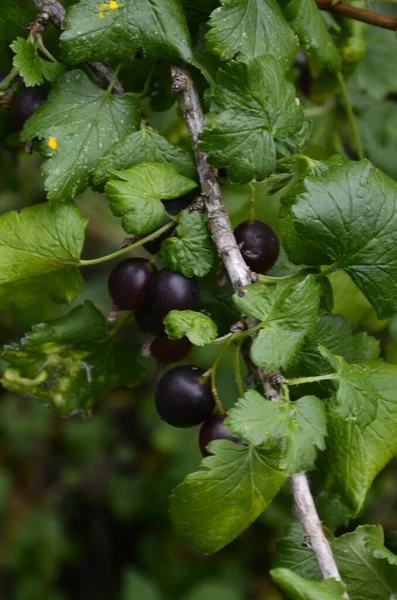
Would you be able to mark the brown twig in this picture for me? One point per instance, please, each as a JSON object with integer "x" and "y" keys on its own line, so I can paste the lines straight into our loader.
{"x": 239, "y": 274}
{"x": 52, "y": 10}
{"x": 359, "y": 14}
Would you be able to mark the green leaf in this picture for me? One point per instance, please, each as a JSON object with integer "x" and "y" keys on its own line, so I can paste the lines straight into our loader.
{"x": 32, "y": 67}
{"x": 333, "y": 332}
{"x": 39, "y": 254}
{"x": 307, "y": 431}
{"x": 258, "y": 421}
{"x": 245, "y": 29}
{"x": 118, "y": 30}
{"x": 298, "y": 588}
{"x": 296, "y": 554}
{"x": 78, "y": 124}
{"x": 190, "y": 251}
{"x": 69, "y": 363}
{"x": 14, "y": 19}
{"x": 136, "y": 194}
{"x": 145, "y": 145}
{"x": 231, "y": 489}
{"x": 287, "y": 311}
{"x": 348, "y": 216}
{"x": 355, "y": 399}
{"x": 198, "y": 328}
{"x": 378, "y": 132}
{"x": 356, "y": 454}
{"x": 256, "y": 119}
{"x": 376, "y": 75}
{"x": 306, "y": 21}
{"x": 366, "y": 575}
{"x": 299, "y": 426}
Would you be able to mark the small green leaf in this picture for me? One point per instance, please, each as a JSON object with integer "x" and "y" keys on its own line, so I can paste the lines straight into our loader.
{"x": 39, "y": 254}
{"x": 257, "y": 421}
{"x": 300, "y": 427}
{"x": 118, "y": 30}
{"x": 245, "y": 29}
{"x": 307, "y": 430}
{"x": 355, "y": 399}
{"x": 32, "y": 67}
{"x": 348, "y": 214}
{"x": 356, "y": 454}
{"x": 145, "y": 145}
{"x": 78, "y": 125}
{"x": 198, "y": 328}
{"x": 298, "y": 588}
{"x": 190, "y": 251}
{"x": 136, "y": 194}
{"x": 69, "y": 363}
{"x": 256, "y": 119}
{"x": 288, "y": 313}
{"x": 231, "y": 489}
{"x": 306, "y": 21}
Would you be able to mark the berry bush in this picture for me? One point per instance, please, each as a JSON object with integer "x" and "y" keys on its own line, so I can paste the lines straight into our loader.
{"x": 198, "y": 296}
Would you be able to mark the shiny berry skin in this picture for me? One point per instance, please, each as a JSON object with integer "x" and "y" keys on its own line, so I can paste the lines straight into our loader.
{"x": 169, "y": 351}
{"x": 214, "y": 429}
{"x": 149, "y": 321}
{"x": 173, "y": 207}
{"x": 172, "y": 291}
{"x": 129, "y": 283}
{"x": 182, "y": 398}
{"x": 259, "y": 245}
{"x": 25, "y": 103}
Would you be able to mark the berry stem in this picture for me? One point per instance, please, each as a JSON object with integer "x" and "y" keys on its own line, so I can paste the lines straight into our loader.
{"x": 120, "y": 322}
{"x": 251, "y": 212}
{"x": 151, "y": 236}
{"x": 114, "y": 79}
{"x": 7, "y": 81}
{"x": 314, "y": 379}
{"x": 237, "y": 368}
{"x": 350, "y": 115}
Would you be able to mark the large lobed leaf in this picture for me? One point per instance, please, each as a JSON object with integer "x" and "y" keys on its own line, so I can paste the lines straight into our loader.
{"x": 78, "y": 125}
{"x": 39, "y": 254}
{"x": 256, "y": 118}
{"x": 231, "y": 489}
{"x": 245, "y": 29}
{"x": 119, "y": 29}
{"x": 69, "y": 363}
{"x": 347, "y": 216}
{"x": 287, "y": 311}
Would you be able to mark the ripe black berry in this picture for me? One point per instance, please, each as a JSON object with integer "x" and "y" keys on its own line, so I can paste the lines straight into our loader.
{"x": 183, "y": 399}
{"x": 173, "y": 207}
{"x": 258, "y": 244}
{"x": 214, "y": 429}
{"x": 25, "y": 103}
{"x": 129, "y": 283}
{"x": 172, "y": 291}
{"x": 150, "y": 322}
{"x": 168, "y": 351}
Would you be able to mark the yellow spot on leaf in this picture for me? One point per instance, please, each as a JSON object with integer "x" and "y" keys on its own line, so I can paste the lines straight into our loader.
{"x": 52, "y": 143}
{"x": 105, "y": 8}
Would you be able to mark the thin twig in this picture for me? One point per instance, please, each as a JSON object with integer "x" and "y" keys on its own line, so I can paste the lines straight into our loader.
{"x": 239, "y": 274}
{"x": 359, "y": 14}
{"x": 52, "y": 10}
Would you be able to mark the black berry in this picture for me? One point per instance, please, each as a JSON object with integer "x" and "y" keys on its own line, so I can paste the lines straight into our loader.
{"x": 258, "y": 244}
{"x": 173, "y": 207}
{"x": 172, "y": 291}
{"x": 183, "y": 399}
{"x": 168, "y": 351}
{"x": 149, "y": 321}
{"x": 129, "y": 283}
{"x": 214, "y": 429}
{"x": 25, "y": 103}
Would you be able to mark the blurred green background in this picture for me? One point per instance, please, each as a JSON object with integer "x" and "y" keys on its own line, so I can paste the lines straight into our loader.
{"x": 84, "y": 503}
